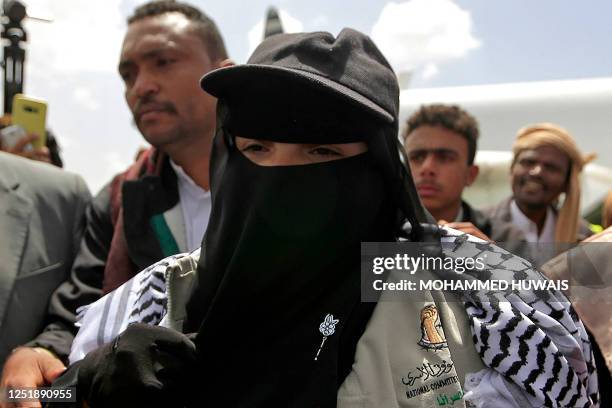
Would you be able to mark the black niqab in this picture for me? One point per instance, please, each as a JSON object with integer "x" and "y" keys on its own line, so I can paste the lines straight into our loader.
{"x": 282, "y": 252}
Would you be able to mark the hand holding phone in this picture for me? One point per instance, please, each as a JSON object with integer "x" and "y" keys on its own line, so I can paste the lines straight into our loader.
{"x": 31, "y": 114}
{"x": 14, "y": 140}
{"x": 10, "y": 136}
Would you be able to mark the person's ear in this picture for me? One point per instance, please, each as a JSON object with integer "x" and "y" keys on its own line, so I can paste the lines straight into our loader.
{"x": 473, "y": 171}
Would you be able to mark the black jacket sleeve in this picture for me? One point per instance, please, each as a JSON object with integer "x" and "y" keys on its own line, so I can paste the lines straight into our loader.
{"x": 85, "y": 283}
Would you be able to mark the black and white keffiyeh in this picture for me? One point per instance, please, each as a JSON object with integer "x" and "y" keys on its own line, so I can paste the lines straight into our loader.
{"x": 142, "y": 299}
{"x": 535, "y": 348}
{"x": 532, "y": 340}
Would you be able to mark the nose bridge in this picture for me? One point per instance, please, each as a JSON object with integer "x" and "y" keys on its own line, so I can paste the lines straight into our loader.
{"x": 145, "y": 83}
{"x": 287, "y": 154}
{"x": 429, "y": 164}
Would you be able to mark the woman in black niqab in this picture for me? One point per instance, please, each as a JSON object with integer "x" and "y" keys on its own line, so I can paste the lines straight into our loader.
{"x": 276, "y": 305}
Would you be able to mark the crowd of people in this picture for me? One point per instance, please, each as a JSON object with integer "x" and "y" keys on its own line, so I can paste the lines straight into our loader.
{"x": 222, "y": 267}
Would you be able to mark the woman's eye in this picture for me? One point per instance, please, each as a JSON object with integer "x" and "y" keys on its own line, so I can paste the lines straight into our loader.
{"x": 325, "y": 151}
{"x": 253, "y": 148}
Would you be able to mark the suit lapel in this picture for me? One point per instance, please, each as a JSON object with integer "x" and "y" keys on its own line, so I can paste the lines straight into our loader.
{"x": 504, "y": 213}
{"x": 15, "y": 211}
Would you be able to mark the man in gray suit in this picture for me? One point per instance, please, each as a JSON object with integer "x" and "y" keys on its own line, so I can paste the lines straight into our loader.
{"x": 41, "y": 225}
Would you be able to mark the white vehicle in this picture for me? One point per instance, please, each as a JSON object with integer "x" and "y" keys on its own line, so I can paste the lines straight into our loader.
{"x": 583, "y": 107}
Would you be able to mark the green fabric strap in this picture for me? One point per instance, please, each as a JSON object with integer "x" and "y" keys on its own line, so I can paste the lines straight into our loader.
{"x": 164, "y": 235}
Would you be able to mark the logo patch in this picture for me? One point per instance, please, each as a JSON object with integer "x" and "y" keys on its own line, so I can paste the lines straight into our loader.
{"x": 432, "y": 336}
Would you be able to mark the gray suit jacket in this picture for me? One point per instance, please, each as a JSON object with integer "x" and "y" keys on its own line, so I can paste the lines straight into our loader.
{"x": 502, "y": 212}
{"x": 41, "y": 224}
{"x": 538, "y": 254}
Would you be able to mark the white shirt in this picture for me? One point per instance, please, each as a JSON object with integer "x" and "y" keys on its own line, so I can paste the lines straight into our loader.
{"x": 459, "y": 217}
{"x": 530, "y": 228}
{"x": 195, "y": 205}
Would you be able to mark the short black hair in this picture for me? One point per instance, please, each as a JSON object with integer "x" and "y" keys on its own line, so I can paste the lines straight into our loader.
{"x": 205, "y": 26}
{"x": 451, "y": 117}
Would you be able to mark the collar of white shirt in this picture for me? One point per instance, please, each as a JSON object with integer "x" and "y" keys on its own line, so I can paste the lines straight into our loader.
{"x": 530, "y": 229}
{"x": 459, "y": 217}
{"x": 195, "y": 205}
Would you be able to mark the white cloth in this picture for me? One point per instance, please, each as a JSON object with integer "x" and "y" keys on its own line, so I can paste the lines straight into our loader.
{"x": 488, "y": 388}
{"x": 142, "y": 299}
{"x": 459, "y": 217}
{"x": 195, "y": 204}
{"x": 530, "y": 228}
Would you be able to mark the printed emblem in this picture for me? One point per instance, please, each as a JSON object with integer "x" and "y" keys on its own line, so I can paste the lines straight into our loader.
{"x": 327, "y": 328}
{"x": 431, "y": 334}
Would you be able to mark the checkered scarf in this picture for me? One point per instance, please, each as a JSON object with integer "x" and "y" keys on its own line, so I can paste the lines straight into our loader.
{"x": 532, "y": 339}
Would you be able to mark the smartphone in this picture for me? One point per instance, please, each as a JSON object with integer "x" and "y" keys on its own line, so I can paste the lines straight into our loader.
{"x": 31, "y": 114}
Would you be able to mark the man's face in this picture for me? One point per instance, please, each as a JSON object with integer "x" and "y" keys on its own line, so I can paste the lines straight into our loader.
{"x": 539, "y": 176}
{"x": 162, "y": 61}
{"x": 438, "y": 160}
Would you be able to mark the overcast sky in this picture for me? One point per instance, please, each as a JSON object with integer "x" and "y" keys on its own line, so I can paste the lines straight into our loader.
{"x": 72, "y": 61}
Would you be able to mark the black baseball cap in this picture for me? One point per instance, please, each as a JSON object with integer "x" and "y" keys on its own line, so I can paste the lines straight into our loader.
{"x": 348, "y": 66}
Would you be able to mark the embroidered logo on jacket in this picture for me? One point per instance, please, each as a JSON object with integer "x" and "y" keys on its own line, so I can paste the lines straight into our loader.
{"x": 432, "y": 336}
{"x": 327, "y": 328}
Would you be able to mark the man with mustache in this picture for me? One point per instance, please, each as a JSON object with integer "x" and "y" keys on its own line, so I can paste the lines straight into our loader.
{"x": 160, "y": 205}
{"x": 440, "y": 141}
{"x": 546, "y": 164}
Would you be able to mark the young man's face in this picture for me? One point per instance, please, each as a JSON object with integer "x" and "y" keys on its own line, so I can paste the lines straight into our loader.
{"x": 539, "y": 176}
{"x": 162, "y": 61}
{"x": 438, "y": 160}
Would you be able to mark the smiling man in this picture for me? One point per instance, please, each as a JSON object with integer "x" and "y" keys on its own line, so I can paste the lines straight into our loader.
{"x": 160, "y": 205}
{"x": 440, "y": 141}
{"x": 546, "y": 164}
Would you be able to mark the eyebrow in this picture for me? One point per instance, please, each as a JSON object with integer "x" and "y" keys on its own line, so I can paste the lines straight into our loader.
{"x": 436, "y": 150}
{"x": 148, "y": 55}
{"x": 543, "y": 162}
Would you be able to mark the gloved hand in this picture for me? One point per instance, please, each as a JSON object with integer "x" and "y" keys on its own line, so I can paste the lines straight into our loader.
{"x": 147, "y": 366}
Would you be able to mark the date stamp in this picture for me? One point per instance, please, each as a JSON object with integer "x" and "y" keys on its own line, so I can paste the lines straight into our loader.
{"x": 42, "y": 394}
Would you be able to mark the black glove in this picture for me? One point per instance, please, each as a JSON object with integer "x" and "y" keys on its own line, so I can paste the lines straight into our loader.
{"x": 146, "y": 366}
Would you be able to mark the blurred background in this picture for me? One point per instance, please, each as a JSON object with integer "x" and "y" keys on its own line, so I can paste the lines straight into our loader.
{"x": 509, "y": 63}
